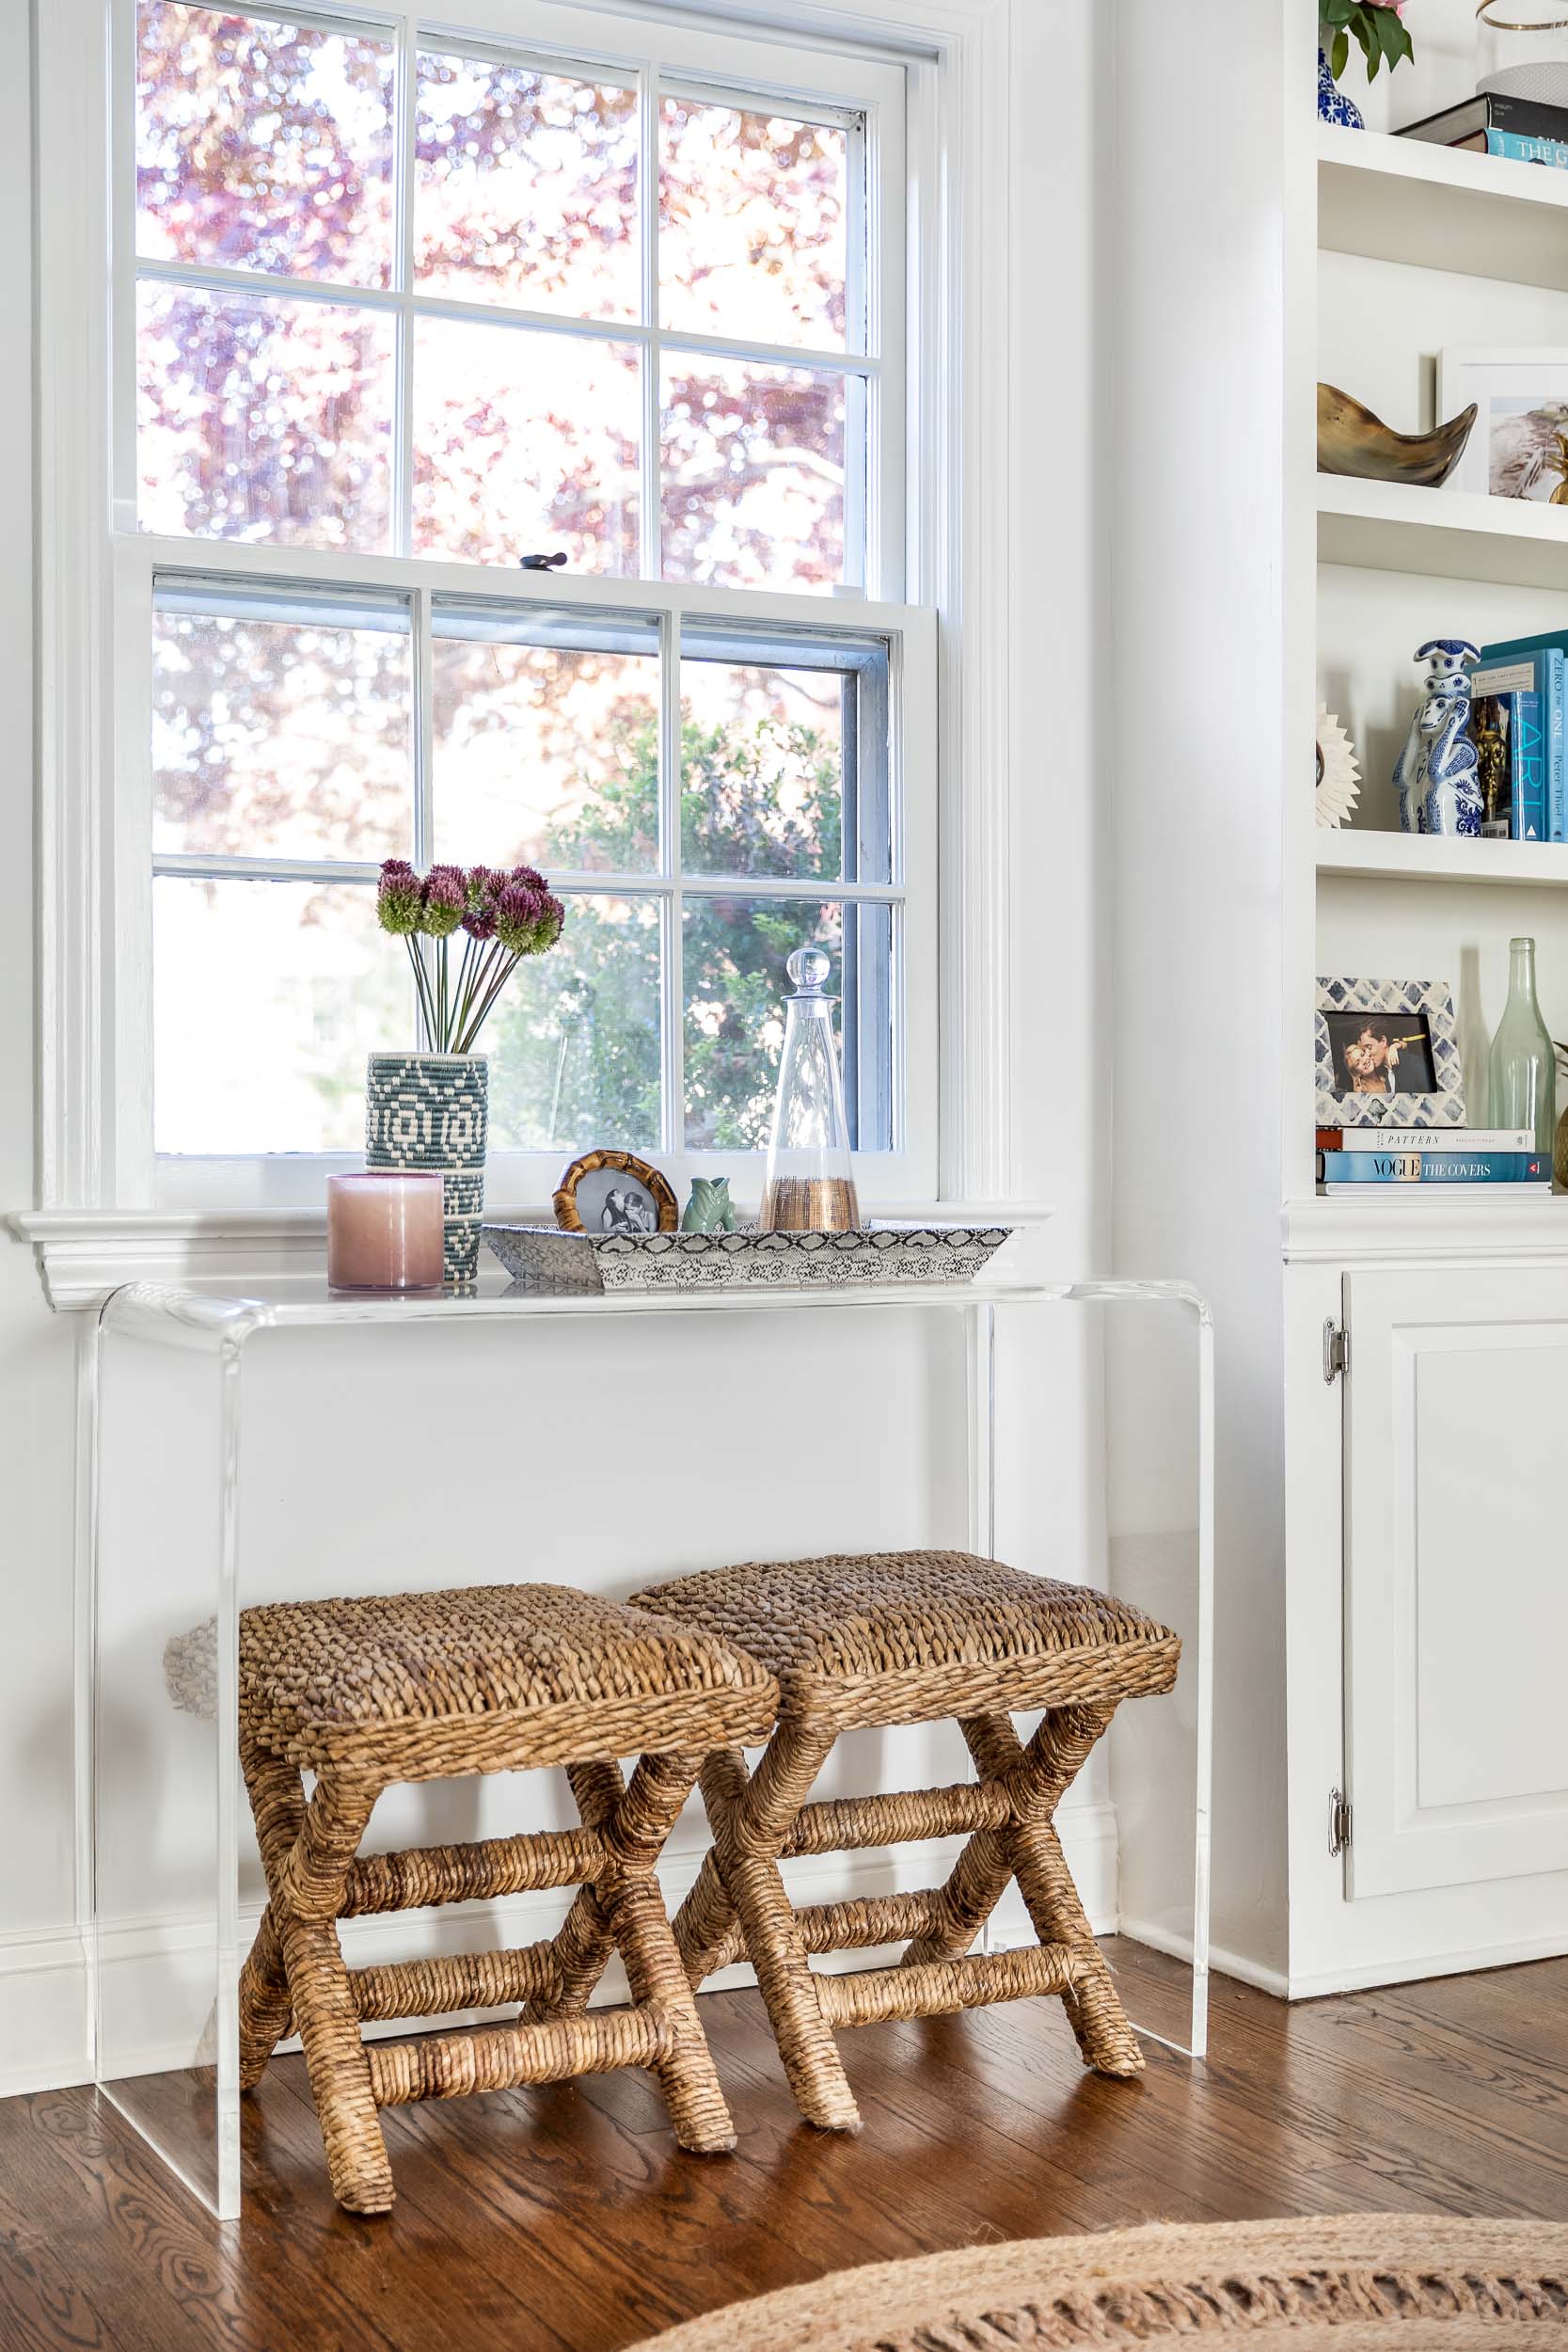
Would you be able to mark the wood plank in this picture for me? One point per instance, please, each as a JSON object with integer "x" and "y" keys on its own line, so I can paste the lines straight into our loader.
{"x": 565, "y": 2219}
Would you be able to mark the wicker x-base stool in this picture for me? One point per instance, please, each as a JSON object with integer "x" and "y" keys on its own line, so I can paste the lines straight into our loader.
{"x": 432, "y": 1686}
{"x": 909, "y": 1638}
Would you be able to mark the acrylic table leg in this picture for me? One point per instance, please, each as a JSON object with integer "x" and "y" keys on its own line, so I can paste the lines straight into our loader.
{"x": 230, "y": 1952}
{"x": 1199, "y": 1659}
{"x": 1205, "y": 1739}
{"x": 981, "y": 1331}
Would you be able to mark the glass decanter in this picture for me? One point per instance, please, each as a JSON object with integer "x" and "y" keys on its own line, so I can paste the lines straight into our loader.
{"x": 1524, "y": 1061}
{"x": 810, "y": 1187}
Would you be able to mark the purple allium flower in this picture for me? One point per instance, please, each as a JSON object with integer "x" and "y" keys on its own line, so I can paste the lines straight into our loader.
{"x": 553, "y": 924}
{"x": 527, "y": 877}
{"x": 528, "y": 919}
{"x": 397, "y": 898}
{"x": 483, "y": 887}
{"x": 443, "y": 902}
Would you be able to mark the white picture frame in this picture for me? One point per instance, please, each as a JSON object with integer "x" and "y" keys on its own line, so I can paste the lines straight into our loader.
{"x": 1516, "y": 389}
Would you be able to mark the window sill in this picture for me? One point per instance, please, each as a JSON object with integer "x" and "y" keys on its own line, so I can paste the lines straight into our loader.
{"x": 84, "y": 1254}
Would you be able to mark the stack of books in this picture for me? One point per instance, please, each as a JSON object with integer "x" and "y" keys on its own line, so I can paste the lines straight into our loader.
{"x": 1519, "y": 720}
{"x": 1491, "y": 124}
{"x": 1352, "y": 1158}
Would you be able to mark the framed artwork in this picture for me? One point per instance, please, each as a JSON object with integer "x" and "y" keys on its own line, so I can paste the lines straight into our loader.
{"x": 1519, "y": 449}
{"x": 614, "y": 1192}
{"x": 1387, "y": 1055}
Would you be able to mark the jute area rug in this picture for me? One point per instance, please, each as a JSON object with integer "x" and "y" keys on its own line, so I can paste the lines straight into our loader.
{"x": 1365, "y": 2282}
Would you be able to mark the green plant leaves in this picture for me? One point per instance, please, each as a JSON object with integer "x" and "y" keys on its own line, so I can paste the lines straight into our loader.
{"x": 1381, "y": 34}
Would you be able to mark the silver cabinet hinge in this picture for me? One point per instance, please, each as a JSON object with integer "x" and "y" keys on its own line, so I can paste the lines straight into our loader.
{"x": 1336, "y": 1351}
{"x": 1339, "y": 1822}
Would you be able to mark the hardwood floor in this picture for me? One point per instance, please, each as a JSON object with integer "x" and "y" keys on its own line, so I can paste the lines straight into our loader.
{"x": 564, "y": 2220}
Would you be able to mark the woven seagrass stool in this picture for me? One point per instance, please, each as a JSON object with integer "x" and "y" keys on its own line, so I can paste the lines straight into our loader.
{"x": 432, "y": 1686}
{"x": 909, "y": 1638}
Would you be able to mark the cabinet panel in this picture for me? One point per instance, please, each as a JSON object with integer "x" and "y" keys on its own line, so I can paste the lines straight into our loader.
{"x": 1456, "y": 1602}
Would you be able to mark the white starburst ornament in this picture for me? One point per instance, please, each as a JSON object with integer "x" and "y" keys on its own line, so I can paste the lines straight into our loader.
{"x": 1338, "y": 777}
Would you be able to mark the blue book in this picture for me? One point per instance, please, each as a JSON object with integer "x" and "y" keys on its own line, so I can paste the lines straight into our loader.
{"x": 1530, "y": 790}
{"x": 1524, "y": 149}
{"x": 1442, "y": 1165}
{"x": 1537, "y": 665}
{"x": 1509, "y": 748}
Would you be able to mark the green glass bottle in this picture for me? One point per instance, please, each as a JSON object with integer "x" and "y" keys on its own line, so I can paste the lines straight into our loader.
{"x": 1524, "y": 1063}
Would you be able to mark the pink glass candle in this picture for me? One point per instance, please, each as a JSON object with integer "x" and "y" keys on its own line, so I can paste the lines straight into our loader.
{"x": 384, "y": 1232}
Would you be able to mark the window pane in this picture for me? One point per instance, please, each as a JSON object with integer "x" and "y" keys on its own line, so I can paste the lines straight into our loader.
{"x": 735, "y": 950}
{"x": 281, "y": 736}
{"x": 526, "y": 188}
{"x": 752, "y": 474}
{"x": 752, "y": 221}
{"x": 762, "y": 771}
{"x": 547, "y": 749}
{"x": 574, "y": 1044}
{"x": 263, "y": 146}
{"x": 264, "y": 418}
{"x": 525, "y": 444}
{"x": 267, "y": 997}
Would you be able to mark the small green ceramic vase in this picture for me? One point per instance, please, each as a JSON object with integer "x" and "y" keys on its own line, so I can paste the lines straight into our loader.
{"x": 710, "y": 1210}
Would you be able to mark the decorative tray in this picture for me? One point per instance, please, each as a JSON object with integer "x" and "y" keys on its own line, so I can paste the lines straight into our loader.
{"x": 886, "y": 1253}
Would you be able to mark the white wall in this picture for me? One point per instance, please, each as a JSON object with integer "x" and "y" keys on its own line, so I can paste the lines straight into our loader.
{"x": 1196, "y": 578}
{"x": 539, "y": 1503}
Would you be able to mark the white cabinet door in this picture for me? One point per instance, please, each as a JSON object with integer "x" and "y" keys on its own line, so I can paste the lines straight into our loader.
{"x": 1456, "y": 1567}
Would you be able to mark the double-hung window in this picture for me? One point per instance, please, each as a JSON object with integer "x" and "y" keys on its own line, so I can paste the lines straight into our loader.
{"x": 402, "y": 307}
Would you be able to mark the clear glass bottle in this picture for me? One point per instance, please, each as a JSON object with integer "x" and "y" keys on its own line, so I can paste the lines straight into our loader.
{"x": 810, "y": 1187}
{"x": 1524, "y": 1061}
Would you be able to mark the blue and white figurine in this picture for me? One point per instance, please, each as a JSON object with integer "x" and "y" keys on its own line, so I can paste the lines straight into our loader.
{"x": 1333, "y": 106}
{"x": 1437, "y": 775}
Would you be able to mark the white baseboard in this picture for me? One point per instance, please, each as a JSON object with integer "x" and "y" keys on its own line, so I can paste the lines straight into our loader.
{"x": 1315, "y": 1985}
{"x": 1223, "y": 1962}
{"x": 158, "y": 1972}
{"x": 45, "y": 2030}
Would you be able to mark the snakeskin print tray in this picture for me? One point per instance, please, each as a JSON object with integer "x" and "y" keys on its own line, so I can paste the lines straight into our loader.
{"x": 692, "y": 1262}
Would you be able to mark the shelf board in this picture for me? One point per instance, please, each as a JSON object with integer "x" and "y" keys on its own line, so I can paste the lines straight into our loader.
{"x": 1397, "y": 199}
{"x": 1423, "y": 858}
{"x": 1442, "y": 534}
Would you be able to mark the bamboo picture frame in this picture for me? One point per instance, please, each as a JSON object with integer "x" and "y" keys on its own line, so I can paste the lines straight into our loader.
{"x": 640, "y": 1173}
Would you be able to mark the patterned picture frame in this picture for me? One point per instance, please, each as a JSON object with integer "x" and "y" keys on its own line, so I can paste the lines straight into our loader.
{"x": 1429, "y": 1003}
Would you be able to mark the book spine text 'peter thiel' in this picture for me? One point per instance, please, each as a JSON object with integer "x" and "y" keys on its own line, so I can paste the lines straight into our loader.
{"x": 1348, "y": 1170}
{"x": 1465, "y": 1140}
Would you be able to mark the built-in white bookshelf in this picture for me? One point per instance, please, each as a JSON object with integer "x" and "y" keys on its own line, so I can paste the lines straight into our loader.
{"x": 1418, "y": 249}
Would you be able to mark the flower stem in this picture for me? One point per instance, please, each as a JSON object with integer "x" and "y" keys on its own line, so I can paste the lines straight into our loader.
{"x": 508, "y": 966}
{"x": 421, "y": 981}
{"x": 470, "y": 979}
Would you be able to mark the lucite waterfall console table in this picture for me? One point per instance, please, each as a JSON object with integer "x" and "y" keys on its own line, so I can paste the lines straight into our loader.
{"x": 176, "y": 1556}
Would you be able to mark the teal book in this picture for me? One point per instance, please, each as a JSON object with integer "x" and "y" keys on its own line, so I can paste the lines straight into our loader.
{"x": 1442, "y": 1165}
{"x": 1537, "y": 665}
{"x": 1524, "y": 149}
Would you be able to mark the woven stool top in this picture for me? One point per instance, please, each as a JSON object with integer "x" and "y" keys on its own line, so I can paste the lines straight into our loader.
{"x": 942, "y": 1618}
{"x": 419, "y": 1682}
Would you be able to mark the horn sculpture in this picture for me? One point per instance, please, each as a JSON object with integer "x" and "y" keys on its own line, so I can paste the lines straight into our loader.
{"x": 1350, "y": 440}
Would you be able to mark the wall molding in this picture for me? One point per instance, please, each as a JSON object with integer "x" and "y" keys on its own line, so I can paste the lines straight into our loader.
{"x": 45, "y": 2019}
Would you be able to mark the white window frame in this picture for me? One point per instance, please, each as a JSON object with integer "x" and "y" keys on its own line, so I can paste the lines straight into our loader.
{"x": 94, "y": 1176}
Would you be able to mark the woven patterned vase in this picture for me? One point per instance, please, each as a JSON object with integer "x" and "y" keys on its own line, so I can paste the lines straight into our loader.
{"x": 429, "y": 1112}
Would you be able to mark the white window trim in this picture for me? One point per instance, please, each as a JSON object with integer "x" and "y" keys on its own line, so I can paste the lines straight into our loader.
{"x": 960, "y": 559}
